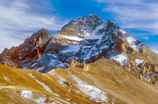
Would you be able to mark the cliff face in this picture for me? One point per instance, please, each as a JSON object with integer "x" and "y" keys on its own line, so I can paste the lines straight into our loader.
{"x": 85, "y": 40}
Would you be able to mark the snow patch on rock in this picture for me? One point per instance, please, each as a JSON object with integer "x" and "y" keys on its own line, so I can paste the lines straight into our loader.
{"x": 60, "y": 79}
{"x": 93, "y": 92}
{"x": 40, "y": 68}
{"x": 40, "y": 100}
{"x": 133, "y": 43}
{"x": 121, "y": 58}
{"x": 122, "y": 31}
{"x": 86, "y": 34}
{"x": 75, "y": 38}
{"x": 148, "y": 77}
{"x": 27, "y": 94}
{"x": 93, "y": 37}
{"x": 138, "y": 61}
{"x": 100, "y": 27}
{"x": 131, "y": 40}
{"x": 71, "y": 49}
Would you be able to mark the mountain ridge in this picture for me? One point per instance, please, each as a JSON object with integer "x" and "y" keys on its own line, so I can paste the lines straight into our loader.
{"x": 85, "y": 40}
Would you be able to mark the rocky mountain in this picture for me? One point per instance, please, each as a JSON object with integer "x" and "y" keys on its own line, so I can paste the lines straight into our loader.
{"x": 99, "y": 53}
{"x": 85, "y": 40}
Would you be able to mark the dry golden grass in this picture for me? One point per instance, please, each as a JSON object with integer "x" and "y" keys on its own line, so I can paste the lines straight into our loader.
{"x": 121, "y": 87}
{"x": 18, "y": 80}
{"x": 119, "y": 83}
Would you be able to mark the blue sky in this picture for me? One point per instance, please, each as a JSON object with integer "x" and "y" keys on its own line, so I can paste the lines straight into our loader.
{"x": 20, "y": 18}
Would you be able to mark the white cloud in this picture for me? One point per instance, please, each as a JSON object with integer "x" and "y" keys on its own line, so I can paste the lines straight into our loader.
{"x": 145, "y": 38}
{"x": 119, "y": 1}
{"x": 19, "y": 19}
{"x": 136, "y": 14}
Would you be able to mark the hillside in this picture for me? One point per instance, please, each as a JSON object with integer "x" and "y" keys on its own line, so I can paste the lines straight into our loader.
{"x": 100, "y": 82}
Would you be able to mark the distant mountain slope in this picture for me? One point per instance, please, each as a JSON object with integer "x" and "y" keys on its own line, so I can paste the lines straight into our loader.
{"x": 85, "y": 40}
{"x": 99, "y": 83}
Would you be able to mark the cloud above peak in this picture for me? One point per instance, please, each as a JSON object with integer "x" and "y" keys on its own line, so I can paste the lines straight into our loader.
{"x": 120, "y": 1}
{"x": 19, "y": 19}
{"x": 19, "y": 14}
{"x": 137, "y": 14}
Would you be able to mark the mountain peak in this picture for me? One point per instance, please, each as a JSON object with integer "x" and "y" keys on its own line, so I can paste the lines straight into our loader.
{"x": 85, "y": 39}
{"x": 89, "y": 20}
{"x": 42, "y": 36}
{"x": 92, "y": 16}
{"x": 42, "y": 32}
{"x": 81, "y": 28}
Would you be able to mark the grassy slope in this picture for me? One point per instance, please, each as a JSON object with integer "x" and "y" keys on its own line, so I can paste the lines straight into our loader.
{"x": 18, "y": 80}
{"x": 109, "y": 77}
{"x": 118, "y": 82}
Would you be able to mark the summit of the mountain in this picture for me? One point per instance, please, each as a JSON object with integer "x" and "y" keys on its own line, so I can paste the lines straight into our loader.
{"x": 77, "y": 29}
